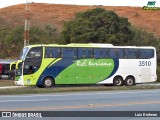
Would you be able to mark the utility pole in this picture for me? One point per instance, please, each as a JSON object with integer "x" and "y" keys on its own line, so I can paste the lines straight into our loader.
{"x": 27, "y": 23}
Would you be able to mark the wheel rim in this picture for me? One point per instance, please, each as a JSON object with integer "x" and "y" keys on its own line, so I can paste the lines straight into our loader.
{"x": 48, "y": 82}
{"x": 130, "y": 82}
{"x": 118, "y": 82}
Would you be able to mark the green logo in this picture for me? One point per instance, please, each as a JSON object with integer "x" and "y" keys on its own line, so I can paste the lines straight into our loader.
{"x": 151, "y": 3}
{"x": 151, "y": 6}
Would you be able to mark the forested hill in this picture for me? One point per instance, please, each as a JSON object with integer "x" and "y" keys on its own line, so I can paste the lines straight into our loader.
{"x": 53, "y": 14}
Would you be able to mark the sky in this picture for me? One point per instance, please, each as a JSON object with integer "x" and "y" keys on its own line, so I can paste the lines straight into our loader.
{"x": 136, "y": 3}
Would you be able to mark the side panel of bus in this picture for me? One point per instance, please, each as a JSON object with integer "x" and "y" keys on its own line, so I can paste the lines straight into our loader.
{"x": 86, "y": 71}
{"x": 83, "y": 69}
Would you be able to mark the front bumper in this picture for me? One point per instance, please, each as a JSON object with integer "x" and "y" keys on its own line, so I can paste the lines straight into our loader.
{"x": 19, "y": 81}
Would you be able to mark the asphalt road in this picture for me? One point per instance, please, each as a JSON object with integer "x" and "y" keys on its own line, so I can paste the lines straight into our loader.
{"x": 131, "y": 100}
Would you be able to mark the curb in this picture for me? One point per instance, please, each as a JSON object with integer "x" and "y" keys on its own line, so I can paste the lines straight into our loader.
{"x": 153, "y": 84}
{"x": 12, "y": 87}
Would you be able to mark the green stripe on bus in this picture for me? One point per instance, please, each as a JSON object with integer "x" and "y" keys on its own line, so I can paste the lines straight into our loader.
{"x": 86, "y": 71}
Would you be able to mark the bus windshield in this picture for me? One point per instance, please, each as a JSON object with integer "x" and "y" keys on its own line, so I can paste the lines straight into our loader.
{"x": 23, "y": 53}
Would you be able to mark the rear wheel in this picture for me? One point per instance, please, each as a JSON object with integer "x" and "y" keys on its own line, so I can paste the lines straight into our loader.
{"x": 129, "y": 81}
{"x": 118, "y": 81}
{"x": 48, "y": 82}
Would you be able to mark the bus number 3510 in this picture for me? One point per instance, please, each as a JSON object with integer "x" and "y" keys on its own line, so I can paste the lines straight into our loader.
{"x": 144, "y": 63}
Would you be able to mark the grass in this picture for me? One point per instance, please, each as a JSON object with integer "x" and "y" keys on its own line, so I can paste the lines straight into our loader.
{"x": 6, "y": 83}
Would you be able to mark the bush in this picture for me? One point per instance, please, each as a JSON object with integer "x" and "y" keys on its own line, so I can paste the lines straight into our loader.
{"x": 97, "y": 26}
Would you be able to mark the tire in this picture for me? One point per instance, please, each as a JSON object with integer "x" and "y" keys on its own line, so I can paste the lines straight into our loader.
{"x": 118, "y": 81}
{"x": 48, "y": 82}
{"x": 129, "y": 81}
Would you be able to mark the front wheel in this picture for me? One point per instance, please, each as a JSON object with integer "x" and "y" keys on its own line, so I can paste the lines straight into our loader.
{"x": 118, "y": 81}
{"x": 48, "y": 82}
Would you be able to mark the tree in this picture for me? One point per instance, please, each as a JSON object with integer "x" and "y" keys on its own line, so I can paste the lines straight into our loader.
{"x": 97, "y": 26}
{"x": 12, "y": 39}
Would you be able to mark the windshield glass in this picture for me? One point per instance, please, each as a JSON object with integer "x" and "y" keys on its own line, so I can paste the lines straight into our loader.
{"x": 23, "y": 53}
{"x": 35, "y": 53}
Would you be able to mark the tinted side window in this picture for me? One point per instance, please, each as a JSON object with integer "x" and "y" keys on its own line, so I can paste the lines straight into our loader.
{"x": 85, "y": 53}
{"x": 52, "y": 52}
{"x": 131, "y": 53}
{"x": 101, "y": 53}
{"x": 89, "y": 53}
{"x": 35, "y": 52}
{"x": 116, "y": 52}
{"x": 146, "y": 53}
{"x": 68, "y": 52}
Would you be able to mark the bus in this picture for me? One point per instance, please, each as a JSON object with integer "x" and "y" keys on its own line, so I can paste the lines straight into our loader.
{"x": 13, "y": 67}
{"x": 53, "y": 64}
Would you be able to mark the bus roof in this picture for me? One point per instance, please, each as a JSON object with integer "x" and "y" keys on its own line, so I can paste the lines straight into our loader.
{"x": 98, "y": 45}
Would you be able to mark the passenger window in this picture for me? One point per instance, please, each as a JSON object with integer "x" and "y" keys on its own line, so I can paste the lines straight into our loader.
{"x": 85, "y": 53}
{"x": 89, "y": 53}
{"x": 52, "y": 52}
{"x": 131, "y": 53}
{"x": 116, "y": 52}
{"x": 101, "y": 53}
{"x": 68, "y": 53}
{"x": 81, "y": 53}
{"x": 146, "y": 53}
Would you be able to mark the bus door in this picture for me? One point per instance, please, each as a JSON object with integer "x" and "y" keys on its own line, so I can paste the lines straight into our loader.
{"x": 31, "y": 65}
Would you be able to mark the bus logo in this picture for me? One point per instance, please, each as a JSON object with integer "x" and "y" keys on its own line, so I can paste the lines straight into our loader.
{"x": 151, "y": 3}
{"x": 151, "y": 6}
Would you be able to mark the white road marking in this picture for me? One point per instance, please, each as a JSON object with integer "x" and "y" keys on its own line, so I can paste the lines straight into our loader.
{"x": 3, "y": 101}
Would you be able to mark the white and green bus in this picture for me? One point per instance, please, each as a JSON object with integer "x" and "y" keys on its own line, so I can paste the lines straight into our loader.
{"x": 48, "y": 65}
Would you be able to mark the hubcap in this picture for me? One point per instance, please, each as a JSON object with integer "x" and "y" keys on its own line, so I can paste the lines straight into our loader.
{"x": 48, "y": 82}
{"x": 118, "y": 82}
{"x": 130, "y": 82}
